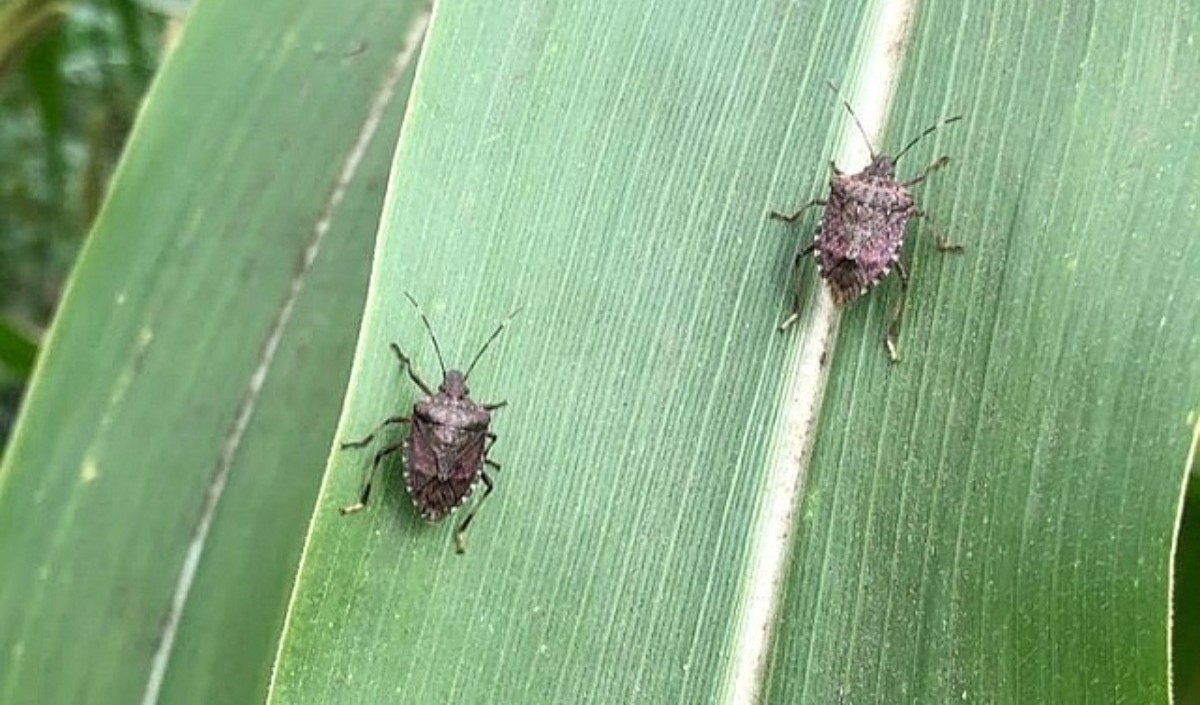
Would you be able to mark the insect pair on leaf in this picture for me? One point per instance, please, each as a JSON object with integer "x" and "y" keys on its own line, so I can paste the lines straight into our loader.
{"x": 857, "y": 244}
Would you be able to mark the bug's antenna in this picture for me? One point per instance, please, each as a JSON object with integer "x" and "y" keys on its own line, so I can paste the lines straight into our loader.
{"x": 436, "y": 348}
{"x": 854, "y": 117}
{"x": 495, "y": 334}
{"x": 929, "y": 129}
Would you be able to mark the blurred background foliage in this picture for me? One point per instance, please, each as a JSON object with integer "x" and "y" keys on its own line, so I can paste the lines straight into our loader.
{"x": 72, "y": 75}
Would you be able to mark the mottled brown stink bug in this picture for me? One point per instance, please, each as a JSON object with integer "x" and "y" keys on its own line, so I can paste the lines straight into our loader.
{"x": 447, "y": 447}
{"x": 861, "y": 232}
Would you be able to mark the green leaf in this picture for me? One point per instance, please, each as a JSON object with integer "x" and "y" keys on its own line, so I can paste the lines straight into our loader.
{"x": 693, "y": 507}
{"x": 988, "y": 521}
{"x": 154, "y": 497}
{"x": 995, "y": 522}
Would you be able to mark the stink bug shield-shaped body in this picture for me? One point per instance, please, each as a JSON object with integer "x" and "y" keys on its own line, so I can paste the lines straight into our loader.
{"x": 861, "y": 233}
{"x": 446, "y": 450}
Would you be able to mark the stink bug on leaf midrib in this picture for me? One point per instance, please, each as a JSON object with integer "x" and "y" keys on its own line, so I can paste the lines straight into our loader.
{"x": 860, "y": 236}
{"x": 446, "y": 449}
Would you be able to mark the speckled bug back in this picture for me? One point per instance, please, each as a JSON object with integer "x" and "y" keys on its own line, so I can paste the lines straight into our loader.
{"x": 862, "y": 230}
{"x": 445, "y": 453}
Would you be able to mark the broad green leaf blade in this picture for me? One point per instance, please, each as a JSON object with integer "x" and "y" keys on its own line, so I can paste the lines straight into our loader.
{"x": 612, "y": 169}
{"x": 992, "y": 520}
{"x": 153, "y": 500}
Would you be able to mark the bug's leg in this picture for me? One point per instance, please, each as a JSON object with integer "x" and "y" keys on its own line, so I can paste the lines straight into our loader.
{"x": 795, "y": 313}
{"x": 833, "y": 168}
{"x": 792, "y": 218}
{"x": 893, "y": 328}
{"x": 943, "y": 243}
{"x": 366, "y": 491}
{"x": 497, "y": 405}
{"x": 491, "y": 439}
{"x": 460, "y": 534}
{"x": 371, "y": 436}
{"x": 937, "y": 164}
{"x": 406, "y": 364}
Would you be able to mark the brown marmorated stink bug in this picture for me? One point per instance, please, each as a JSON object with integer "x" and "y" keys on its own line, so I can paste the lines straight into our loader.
{"x": 447, "y": 447}
{"x": 860, "y": 235}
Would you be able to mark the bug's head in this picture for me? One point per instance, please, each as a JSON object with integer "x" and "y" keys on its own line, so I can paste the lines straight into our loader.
{"x": 454, "y": 385}
{"x": 881, "y": 165}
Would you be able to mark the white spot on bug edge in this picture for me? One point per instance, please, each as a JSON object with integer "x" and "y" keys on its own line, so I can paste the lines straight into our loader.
{"x": 89, "y": 471}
